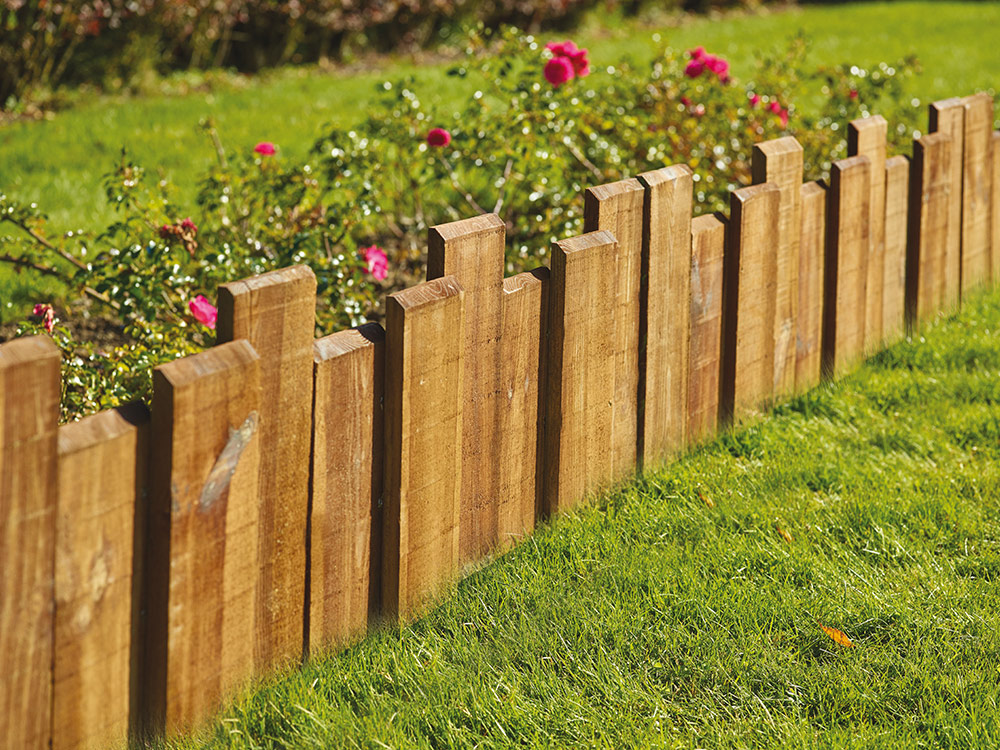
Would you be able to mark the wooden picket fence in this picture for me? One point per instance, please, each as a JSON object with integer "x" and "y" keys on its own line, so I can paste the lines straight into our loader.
{"x": 286, "y": 493}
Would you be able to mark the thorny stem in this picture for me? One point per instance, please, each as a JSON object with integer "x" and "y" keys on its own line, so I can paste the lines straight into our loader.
{"x": 580, "y": 157}
{"x": 464, "y": 193}
{"x": 503, "y": 186}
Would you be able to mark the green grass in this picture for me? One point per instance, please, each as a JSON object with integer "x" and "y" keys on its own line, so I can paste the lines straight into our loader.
{"x": 59, "y": 163}
{"x": 673, "y": 613}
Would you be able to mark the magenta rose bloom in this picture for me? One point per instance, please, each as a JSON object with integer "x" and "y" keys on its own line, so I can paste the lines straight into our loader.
{"x": 203, "y": 311}
{"x": 558, "y": 70}
{"x": 378, "y": 263}
{"x": 265, "y": 148}
{"x": 438, "y": 137}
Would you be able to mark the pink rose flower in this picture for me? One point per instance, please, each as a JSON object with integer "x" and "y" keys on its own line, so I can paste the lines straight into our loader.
{"x": 188, "y": 226}
{"x": 697, "y": 53}
{"x": 203, "y": 311}
{"x": 265, "y": 148}
{"x": 853, "y": 93}
{"x": 774, "y": 106}
{"x": 562, "y": 49}
{"x": 694, "y": 69}
{"x": 438, "y": 137}
{"x": 558, "y": 70}
{"x": 47, "y": 314}
{"x": 567, "y": 50}
{"x": 754, "y": 100}
{"x": 717, "y": 65}
{"x": 581, "y": 65}
{"x": 783, "y": 116}
{"x": 167, "y": 231}
{"x": 685, "y": 101}
{"x": 378, "y": 263}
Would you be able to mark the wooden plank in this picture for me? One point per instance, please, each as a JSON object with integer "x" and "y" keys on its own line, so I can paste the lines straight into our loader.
{"x": 866, "y": 137}
{"x": 202, "y": 559}
{"x": 995, "y": 211}
{"x": 749, "y": 301}
{"x": 664, "y": 320}
{"x": 525, "y": 311}
{"x": 581, "y": 363}
{"x": 618, "y": 208}
{"x": 345, "y": 531}
{"x": 846, "y": 274}
{"x": 948, "y": 117}
{"x": 897, "y": 184}
{"x": 276, "y": 313}
{"x": 100, "y": 525}
{"x": 929, "y": 214}
{"x": 812, "y": 257}
{"x": 423, "y": 444}
{"x": 976, "y": 189}
{"x": 29, "y": 414}
{"x": 708, "y": 248}
{"x": 472, "y": 251}
{"x": 779, "y": 162}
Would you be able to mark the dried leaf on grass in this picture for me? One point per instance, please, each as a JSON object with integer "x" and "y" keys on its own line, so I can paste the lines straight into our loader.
{"x": 837, "y": 636}
{"x": 784, "y": 534}
{"x": 706, "y": 500}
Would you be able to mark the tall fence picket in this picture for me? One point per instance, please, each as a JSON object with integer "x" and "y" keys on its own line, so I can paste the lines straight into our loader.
{"x": 995, "y": 208}
{"x": 423, "y": 444}
{"x": 708, "y": 249}
{"x": 928, "y": 236}
{"x": 29, "y": 415}
{"x": 897, "y": 181}
{"x": 100, "y": 528}
{"x": 812, "y": 258}
{"x": 202, "y": 557}
{"x": 976, "y": 185}
{"x": 779, "y": 162}
{"x": 345, "y": 530}
{"x": 948, "y": 117}
{"x": 867, "y": 137}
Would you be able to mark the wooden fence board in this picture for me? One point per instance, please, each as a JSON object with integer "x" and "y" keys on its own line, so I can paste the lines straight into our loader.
{"x": 664, "y": 322}
{"x": 472, "y": 251}
{"x": 948, "y": 117}
{"x": 995, "y": 210}
{"x": 927, "y": 226}
{"x": 708, "y": 248}
{"x": 345, "y": 531}
{"x": 276, "y": 313}
{"x": 976, "y": 188}
{"x": 748, "y": 302}
{"x": 201, "y": 568}
{"x": 423, "y": 444}
{"x": 897, "y": 184}
{"x": 618, "y": 208}
{"x": 846, "y": 276}
{"x": 867, "y": 137}
{"x": 812, "y": 258}
{"x": 580, "y": 365}
{"x": 99, "y": 530}
{"x": 525, "y": 312}
{"x": 779, "y": 162}
{"x": 29, "y": 414}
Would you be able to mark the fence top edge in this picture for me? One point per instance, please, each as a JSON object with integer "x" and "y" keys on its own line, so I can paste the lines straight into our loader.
{"x": 102, "y": 427}
{"x": 707, "y": 223}
{"x": 426, "y": 293}
{"x": 464, "y": 228}
{"x": 222, "y": 357}
{"x": 588, "y": 241}
{"x": 277, "y": 277}
{"x": 670, "y": 173}
{"x": 345, "y": 342}
{"x": 611, "y": 190}
{"x": 27, "y": 349}
{"x": 787, "y": 144}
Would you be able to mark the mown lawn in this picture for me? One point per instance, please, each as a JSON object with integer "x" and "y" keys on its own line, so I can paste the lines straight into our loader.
{"x": 59, "y": 163}
{"x": 685, "y": 609}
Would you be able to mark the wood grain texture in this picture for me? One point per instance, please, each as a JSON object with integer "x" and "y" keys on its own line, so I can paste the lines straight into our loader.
{"x": 100, "y": 523}
{"x": 472, "y": 251}
{"x": 779, "y": 162}
{"x": 846, "y": 274}
{"x": 995, "y": 210}
{"x": 928, "y": 220}
{"x": 581, "y": 363}
{"x": 867, "y": 137}
{"x": 618, "y": 208}
{"x": 29, "y": 414}
{"x": 423, "y": 444}
{"x": 976, "y": 190}
{"x": 522, "y": 376}
{"x": 812, "y": 258}
{"x": 664, "y": 318}
{"x": 948, "y": 117}
{"x": 708, "y": 249}
{"x": 345, "y": 530}
{"x": 276, "y": 313}
{"x": 749, "y": 300}
{"x": 202, "y": 561}
{"x": 897, "y": 185}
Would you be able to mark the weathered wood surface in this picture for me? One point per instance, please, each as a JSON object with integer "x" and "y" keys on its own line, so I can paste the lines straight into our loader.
{"x": 29, "y": 415}
{"x": 749, "y": 300}
{"x": 472, "y": 251}
{"x": 867, "y": 137}
{"x": 995, "y": 210}
{"x": 846, "y": 277}
{"x": 522, "y": 341}
{"x": 708, "y": 248}
{"x": 345, "y": 530}
{"x": 618, "y": 208}
{"x": 928, "y": 234}
{"x": 897, "y": 185}
{"x": 202, "y": 562}
{"x": 948, "y": 117}
{"x": 276, "y": 313}
{"x": 779, "y": 162}
{"x": 812, "y": 259}
{"x": 100, "y": 525}
{"x": 581, "y": 367}
{"x": 976, "y": 190}
{"x": 665, "y": 324}
{"x": 423, "y": 444}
